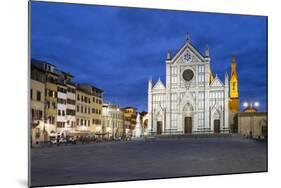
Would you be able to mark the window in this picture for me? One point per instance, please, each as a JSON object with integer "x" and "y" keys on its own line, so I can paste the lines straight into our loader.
{"x": 89, "y": 110}
{"x": 201, "y": 75}
{"x": 233, "y": 85}
{"x": 70, "y": 112}
{"x": 47, "y": 104}
{"x": 59, "y": 112}
{"x": 201, "y": 100}
{"x": 37, "y": 132}
{"x": 77, "y": 121}
{"x": 70, "y": 101}
{"x": 36, "y": 114}
{"x": 63, "y": 113}
{"x": 88, "y": 122}
{"x": 31, "y": 94}
{"x": 71, "y": 90}
{"x": 77, "y": 108}
{"x": 38, "y": 96}
{"x": 78, "y": 97}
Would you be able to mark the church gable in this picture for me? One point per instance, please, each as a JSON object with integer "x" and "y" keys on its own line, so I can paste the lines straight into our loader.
{"x": 216, "y": 82}
{"x": 159, "y": 85}
{"x": 188, "y": 54}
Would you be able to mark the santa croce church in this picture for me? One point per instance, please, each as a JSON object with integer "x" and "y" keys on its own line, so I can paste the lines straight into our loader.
{"x": 194, "y": 99}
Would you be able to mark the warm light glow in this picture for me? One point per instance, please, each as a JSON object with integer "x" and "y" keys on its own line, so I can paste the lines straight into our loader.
{"x": 108, "y": 129}
{"x": 245, "y": 104}
{"x": 256, "y": 104}
{"x": 98, "y": 129}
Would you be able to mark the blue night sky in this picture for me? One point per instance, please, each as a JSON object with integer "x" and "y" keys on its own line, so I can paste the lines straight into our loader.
{"x": 119, "y": 49}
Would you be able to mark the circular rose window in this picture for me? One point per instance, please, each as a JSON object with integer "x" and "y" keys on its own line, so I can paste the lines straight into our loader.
{"x": 187, "y": 75}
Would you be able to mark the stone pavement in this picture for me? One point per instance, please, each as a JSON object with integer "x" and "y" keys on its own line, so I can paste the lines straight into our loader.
{"x": 156, "y": 158}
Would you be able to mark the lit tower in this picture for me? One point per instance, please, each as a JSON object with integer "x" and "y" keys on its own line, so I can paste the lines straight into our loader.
{"x": 233, "y": 84}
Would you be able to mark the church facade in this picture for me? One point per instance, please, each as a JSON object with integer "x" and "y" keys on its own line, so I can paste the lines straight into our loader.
{"x": 193, "y": 100}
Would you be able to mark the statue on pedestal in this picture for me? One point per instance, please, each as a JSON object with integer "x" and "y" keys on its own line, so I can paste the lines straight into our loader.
{"x": 138, "y": 128}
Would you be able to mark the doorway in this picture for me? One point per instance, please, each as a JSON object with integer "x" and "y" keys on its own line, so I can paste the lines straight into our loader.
{"x": 216, "y": 126}
{"x": 159, "y": 127}
{"x": 187, "y": 125}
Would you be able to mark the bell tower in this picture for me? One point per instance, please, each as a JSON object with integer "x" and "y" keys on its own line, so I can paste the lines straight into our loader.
{"x": 233, "y": 84}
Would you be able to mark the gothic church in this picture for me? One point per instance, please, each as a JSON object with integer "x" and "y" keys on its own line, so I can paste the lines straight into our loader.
{"x": 193, "y": 100}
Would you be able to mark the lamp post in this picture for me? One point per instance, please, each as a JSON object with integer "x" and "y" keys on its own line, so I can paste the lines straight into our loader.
{"x": 251, "y": 105}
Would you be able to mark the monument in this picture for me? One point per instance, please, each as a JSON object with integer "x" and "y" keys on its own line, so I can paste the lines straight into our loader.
{"x": 138, "y": 128}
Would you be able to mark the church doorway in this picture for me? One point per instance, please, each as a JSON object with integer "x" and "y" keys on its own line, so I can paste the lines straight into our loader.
{"x": 216, "y": 126}
{"x": 159, "y": 127}
{"x": 187, "y": 125}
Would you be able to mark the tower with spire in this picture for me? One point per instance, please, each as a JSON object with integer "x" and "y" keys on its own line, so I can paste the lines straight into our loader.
{"x": 233, "y": 88}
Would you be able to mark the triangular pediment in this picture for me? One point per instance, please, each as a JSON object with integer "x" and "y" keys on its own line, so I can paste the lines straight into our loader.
{"x": 159, "y": 85}
{"x": 188, "y": 49}
{"x": 216, "y": 82}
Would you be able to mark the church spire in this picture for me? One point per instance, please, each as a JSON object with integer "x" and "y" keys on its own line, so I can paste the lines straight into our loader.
{"x": 226, "y": 79}
{"x": 207, "y": 51}
{"x": 187, "y": 38}
{"x": 233, "y": 66}
{"x": 168, "y": 55}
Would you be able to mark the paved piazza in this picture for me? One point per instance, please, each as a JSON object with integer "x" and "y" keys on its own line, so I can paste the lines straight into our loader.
{"x": 157, "y": 158}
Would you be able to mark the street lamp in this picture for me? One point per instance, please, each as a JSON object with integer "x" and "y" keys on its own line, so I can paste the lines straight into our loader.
{"x": 251, "y": 106}
{"x": 256, "y": 104}
{"x": 245, "y": 104}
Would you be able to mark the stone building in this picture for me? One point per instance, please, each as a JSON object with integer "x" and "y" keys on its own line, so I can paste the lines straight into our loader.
{"x": 96, "y": 105}
{"x": 252, "y": 124}
{"x": 112, "y": 121}
{"x": 193, "y": 100}
{"x": 88, "y": 108}
{"x": 83, "y": 108}
{"x": 50, "y": 97}
{"x": 37, "y": 93}
{"x": 61, "y": 108}
{"x": 66, "y": 109}
{"x": 130, "y": 115}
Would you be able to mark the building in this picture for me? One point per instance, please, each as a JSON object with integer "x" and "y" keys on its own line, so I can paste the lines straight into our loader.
{"x": 88, "y": 108}
{"x": 70, "y": 102}
{"x": 50, "y": 98}
{"x": 61, "y": 108}
{"x": 96, "y": 105}
{"x": 112, "y": 121}
{"x": 83, "y": 108}
{"x": 66, "y": 102}
{"x": 37, "y": 94}
{"x": 252, "y": 124}
{"x": 234, "y": 103}
{"x": 130, "y": 117}
{"x": 193, "y": 100}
